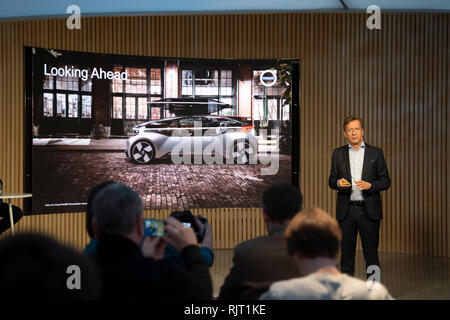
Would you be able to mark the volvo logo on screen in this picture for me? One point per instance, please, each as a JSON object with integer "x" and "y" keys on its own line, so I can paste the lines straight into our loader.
{"x": 268, "y": 78}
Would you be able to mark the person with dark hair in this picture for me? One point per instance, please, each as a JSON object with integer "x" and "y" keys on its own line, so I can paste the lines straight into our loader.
{"x": 135, "y": 268}
{"x": 37, "y": 267}
{"x": 259, "y": 262}
{"x": 5, "y": 221}
{"x": 89, "y": 213}
{"x": 359, "y": 173}
{"x": 313, "y": 239}
{"x": 90, "y": 247}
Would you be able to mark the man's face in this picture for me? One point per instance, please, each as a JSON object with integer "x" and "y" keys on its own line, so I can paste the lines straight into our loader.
{"x": 353, "y": 132}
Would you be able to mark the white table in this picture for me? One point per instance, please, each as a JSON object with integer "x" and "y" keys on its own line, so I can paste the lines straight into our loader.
{"x": 10, "y": 196}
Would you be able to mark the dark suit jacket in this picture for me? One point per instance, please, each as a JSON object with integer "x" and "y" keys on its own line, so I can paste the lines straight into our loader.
{"x": 126, "y": 273}
{"x": 257, "y": 263}
{"x": 374, "y": 171}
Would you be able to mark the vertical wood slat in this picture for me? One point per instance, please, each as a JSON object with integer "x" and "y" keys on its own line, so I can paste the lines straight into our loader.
{"x": 396, "y": 78}
{"x": 445, "y": 141}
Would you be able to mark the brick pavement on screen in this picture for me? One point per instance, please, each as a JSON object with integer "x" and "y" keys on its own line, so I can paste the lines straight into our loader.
{"x": 68, "y": 177}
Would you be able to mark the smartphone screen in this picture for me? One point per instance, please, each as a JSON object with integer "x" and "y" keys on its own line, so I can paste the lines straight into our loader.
{"x": 154, "y": 228}
{"x": 186, "y": 224}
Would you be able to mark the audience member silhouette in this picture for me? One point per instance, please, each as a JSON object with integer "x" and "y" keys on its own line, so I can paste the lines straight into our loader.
{"x": 313, "y": 239}
{"x": 259, "y": 262}
{"x": 37, "y": 267}
{"x": 90, "y": 247}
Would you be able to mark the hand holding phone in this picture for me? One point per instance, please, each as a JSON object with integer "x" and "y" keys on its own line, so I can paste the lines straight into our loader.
{"x": 178, "y": 235}
{"x": 153, "y": 247}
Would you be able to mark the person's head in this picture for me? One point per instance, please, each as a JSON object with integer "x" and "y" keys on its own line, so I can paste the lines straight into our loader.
{"x": 353, "y": 129}
{"x": 89, "y": 213}
{"x": 313, "y": 234}
{"x": 37, "y": 267}
{"x": 280, "y": 202}
{"x": 118, "y": 210}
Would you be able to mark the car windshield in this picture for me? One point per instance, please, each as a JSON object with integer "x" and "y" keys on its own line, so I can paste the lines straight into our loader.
{"x": 189, "y": 122}
{"x": 227, "y": 122}
{"x": 165, "y": 123}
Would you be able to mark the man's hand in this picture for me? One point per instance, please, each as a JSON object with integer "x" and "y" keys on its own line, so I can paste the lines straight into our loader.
{"x": 363, "y": 185}
{"x": 179, "y": 236}
{"x": 343, "y": 183}
{"x": 153, "y": 247}
{"x": 208, "y": 238}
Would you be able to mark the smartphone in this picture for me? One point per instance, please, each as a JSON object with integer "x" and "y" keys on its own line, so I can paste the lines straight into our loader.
{"x": 154, "y": 228}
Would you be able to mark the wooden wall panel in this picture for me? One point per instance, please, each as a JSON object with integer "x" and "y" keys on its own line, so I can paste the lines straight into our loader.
{"x": 396, "y": 78}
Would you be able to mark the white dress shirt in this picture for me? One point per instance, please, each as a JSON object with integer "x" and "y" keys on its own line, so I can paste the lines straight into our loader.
{"x": 356, "y": 166}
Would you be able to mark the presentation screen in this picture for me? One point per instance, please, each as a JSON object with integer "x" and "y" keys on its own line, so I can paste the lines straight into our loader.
{"x": 184, "y": 133}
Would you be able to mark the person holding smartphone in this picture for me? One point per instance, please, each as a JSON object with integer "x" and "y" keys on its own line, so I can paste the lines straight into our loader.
{"x": 206, "y": 244}
{"x": 136, "y": 269}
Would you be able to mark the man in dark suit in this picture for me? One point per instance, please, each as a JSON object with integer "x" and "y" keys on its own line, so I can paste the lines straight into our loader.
{"x": 134, "y": 268}
{"x": 259, "y": 262}
{"x": 359, "y": 173}
{"x": 5, "y": 222}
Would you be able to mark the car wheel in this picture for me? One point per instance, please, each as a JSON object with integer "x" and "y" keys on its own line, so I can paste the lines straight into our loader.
{"x": 142, "y": 152}
{"x": 243, "y": 152}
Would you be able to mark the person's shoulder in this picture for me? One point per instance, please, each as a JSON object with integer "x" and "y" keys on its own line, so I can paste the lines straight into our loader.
{"x": 165, "y": 265}
{"x": 341, "y": 149}
{"x": 372, "y": 148}
{"x": 380, "y": 293}
{"x": 374, "y": 151}
{"x": 365, "y": 290}
{"x": 249, "y": 245}
{"x": 290, "y": 289}
{"x": 165, "y": 270}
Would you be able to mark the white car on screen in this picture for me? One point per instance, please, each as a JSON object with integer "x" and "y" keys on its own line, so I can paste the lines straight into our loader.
{"x": 232, "y": 137}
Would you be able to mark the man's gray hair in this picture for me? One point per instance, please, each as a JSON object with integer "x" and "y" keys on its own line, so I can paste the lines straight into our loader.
{"x": 117, "y": 209}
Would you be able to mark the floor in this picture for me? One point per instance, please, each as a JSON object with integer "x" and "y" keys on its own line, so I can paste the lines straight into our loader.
{"x": 406, "y": 276}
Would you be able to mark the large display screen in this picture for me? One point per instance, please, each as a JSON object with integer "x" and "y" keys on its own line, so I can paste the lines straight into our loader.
{"x": 184, "y": 133}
